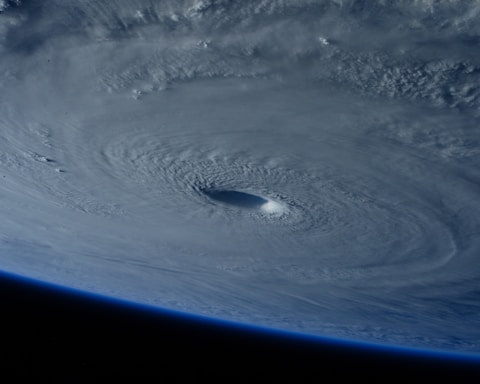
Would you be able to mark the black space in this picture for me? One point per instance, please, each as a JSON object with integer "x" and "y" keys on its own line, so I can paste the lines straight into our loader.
{"x": 46, "y": 331}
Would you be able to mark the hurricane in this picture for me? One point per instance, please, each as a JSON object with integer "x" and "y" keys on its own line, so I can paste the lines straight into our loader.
{"x": 309, "y": 166}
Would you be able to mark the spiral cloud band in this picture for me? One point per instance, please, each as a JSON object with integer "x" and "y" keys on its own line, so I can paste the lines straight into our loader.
{"x": 305, "y": 165}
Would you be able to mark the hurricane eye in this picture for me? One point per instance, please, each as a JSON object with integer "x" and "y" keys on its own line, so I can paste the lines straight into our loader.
{"x": 236, "y": 198}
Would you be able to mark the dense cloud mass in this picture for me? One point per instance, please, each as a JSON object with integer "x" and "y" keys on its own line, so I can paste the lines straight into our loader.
{"x": 306, "y": 165}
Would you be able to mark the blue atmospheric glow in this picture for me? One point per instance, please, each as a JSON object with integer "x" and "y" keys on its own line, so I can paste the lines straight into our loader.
{"x": 252, "y": 330}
